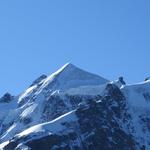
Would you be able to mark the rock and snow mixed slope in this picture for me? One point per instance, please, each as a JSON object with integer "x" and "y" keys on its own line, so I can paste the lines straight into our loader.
{"x": 41, "y": 101}
{"x": 76, "y": 110}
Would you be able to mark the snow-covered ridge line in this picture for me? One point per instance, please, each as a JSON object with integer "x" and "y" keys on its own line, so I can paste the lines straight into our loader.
{"x": 47, "y": 128}
{"x": 52, "y": 100}
{"x": 53, "y": 126}
{"x": 70, "y": 76}
{"x": 138, "y": 95}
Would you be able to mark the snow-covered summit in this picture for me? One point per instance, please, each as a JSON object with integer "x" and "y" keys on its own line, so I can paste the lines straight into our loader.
{"x": 67, "y": 77}
{"x": 79, "y": 106}
{"x": 70, "y": 76}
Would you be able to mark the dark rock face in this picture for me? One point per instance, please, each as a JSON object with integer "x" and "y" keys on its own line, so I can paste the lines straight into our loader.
{"x": 38, "y": 80}
{"x": 56, "y": 106}
{"x": 11, "y": 146}
{"x": 6, "y": 98}
{"x": 122, "y": 80}
{"x": 99, "y": 123}
{"x": 148, "y": 78}
{"x": 99, "y": 127}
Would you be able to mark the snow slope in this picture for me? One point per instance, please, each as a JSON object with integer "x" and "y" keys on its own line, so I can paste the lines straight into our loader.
{"x": 138, "y": 95}
{"x": 69, "y": 76}
{"x": 28, "y": 109}
{"x": 50, "y": 104}
{"x": 53, "y": 126}
{"x": 138, "y": 99}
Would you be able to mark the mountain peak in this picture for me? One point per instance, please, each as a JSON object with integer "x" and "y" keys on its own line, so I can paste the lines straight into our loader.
{"x": 70, "y": 76}
{"x": 69, "y": 64}
{"x": 66, "y": 67}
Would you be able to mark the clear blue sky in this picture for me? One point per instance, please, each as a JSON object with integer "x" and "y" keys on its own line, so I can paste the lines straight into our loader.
{"x": 107, "y": 37}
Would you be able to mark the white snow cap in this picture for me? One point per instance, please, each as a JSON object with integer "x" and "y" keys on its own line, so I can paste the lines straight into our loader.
{"x": 70, "y": 76}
